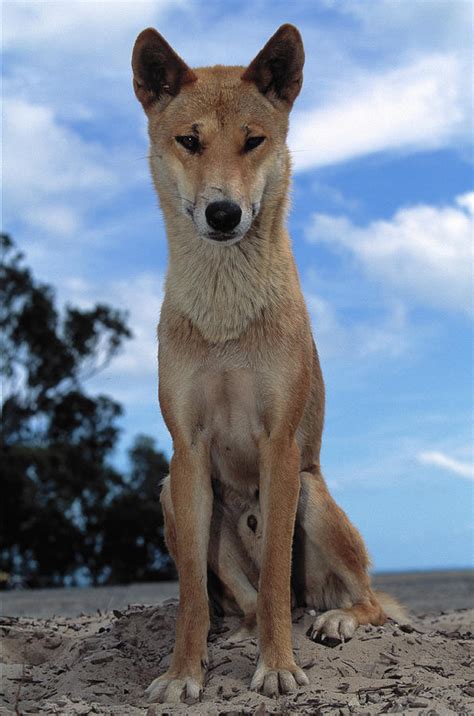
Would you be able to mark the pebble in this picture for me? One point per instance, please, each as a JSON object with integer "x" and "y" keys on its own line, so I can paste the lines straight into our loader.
{"x": 61, "y": 701}
{"x": 373, "y": 697}
{"x": 102, "y": 658}
{"x": 52, "y": 642}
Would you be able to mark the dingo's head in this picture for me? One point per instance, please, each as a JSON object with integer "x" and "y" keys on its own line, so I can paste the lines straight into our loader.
{"x": 218, "y": 134}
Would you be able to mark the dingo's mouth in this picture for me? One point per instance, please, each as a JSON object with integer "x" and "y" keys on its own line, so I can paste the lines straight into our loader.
{"x": 219, "y": 237}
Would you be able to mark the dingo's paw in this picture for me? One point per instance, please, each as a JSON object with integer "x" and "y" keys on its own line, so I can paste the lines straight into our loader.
{"x": 333, "y": 627}
{"x": 168, "y": 689}
{"x": 273, "y": 682}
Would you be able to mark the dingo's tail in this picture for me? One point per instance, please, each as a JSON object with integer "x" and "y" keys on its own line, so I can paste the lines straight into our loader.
{"x": 392, "y": 608}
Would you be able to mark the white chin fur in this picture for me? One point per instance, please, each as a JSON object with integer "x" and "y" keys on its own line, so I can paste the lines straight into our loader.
{"x": 223, "y": 242}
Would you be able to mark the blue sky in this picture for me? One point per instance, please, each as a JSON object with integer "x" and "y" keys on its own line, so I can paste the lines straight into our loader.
{"x": 381, "y": 222}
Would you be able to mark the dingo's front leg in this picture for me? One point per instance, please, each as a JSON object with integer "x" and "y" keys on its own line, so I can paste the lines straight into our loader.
{"x": 191, "y": 496}
{"x": 277, "y": 671}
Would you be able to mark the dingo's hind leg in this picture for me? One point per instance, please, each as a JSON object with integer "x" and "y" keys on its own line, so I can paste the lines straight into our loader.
{"x": 332, "y": 565}
{"x": 231, "y": 561}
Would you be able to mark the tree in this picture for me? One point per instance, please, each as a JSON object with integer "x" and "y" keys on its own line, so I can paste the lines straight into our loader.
{"x": 57, "y": 441}
{"x": 133, "y": 547}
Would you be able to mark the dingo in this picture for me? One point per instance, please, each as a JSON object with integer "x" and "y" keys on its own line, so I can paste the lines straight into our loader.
{"x": 241, "y": 389}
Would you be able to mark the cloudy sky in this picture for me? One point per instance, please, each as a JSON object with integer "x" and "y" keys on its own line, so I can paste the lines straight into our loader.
{"x": 381, "y": 223}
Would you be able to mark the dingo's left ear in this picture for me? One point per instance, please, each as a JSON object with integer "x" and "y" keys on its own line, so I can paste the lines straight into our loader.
{"x": 157, "y": 69}
{"x": 277, "y": 70}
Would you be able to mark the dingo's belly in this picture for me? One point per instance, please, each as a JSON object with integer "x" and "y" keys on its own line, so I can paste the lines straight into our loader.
{"x": 233, "y": 424}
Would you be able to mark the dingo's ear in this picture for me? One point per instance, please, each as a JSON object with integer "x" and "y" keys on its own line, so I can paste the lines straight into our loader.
{"x": 157, "y": 69}
{"x": 277, "y": 70}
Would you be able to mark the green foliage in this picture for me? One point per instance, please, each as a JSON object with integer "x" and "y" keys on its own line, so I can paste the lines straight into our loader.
{"x": 65, "y": 510}
{"x": 127, "y": 540}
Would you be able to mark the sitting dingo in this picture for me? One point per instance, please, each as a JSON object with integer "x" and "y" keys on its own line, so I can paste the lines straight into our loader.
{"x": 241, "y": 389}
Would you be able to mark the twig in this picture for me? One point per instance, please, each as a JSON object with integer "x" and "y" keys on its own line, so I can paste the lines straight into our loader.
{"x": 18, "y": 691}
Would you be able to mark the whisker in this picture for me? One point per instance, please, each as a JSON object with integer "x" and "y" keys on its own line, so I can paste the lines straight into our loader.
{"x": 183, "y": 198}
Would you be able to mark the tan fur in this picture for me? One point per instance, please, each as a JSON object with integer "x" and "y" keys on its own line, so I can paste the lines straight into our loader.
{"x": 240, "y": 385}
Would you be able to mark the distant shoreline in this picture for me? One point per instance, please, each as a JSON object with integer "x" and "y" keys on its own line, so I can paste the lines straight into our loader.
{"x": 421, "y": 591}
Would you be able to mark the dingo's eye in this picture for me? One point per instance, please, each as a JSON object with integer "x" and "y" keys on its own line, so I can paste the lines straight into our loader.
{"x": 253, "y": 143}
{"x": 189, "y": 142}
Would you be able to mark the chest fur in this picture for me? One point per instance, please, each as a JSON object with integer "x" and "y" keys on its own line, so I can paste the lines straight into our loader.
{"x": 232, "y": 423}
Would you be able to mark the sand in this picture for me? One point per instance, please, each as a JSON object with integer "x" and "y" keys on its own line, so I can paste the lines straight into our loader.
{"x": 101, "y": 663}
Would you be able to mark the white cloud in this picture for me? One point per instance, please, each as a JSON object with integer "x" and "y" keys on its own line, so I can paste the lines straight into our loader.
{"x": 466, "y": 201}
{"x": 390, "y": 24}
{"x": 73, "y": 25}
{"x": 142, "y": 296}
{"x": 385, "y": 335}
{"x": 333, "y": 196}
{"x": 443, "y": 461}
{"x": 422, "y": 105}
{"x": 424, "y": 251}
{"x": 132, "y": 376}
{"x": 133, "y": 372}
{"x": 48, "y": 167}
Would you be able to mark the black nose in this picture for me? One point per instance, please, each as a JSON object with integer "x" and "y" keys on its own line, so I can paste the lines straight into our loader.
{"x": 223, "y": 215}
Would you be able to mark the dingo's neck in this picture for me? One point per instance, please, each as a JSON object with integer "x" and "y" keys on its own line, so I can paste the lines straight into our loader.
{"x": 223, "y": 289}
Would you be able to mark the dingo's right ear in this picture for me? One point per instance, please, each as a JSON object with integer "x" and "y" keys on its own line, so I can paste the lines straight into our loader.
{"x": 157, "y": 69}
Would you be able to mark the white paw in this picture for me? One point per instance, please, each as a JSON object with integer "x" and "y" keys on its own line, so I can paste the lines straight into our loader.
{"x": 273, "y": 682}
{"x": 333, "y": 627}
{"x": 168, "y": 690}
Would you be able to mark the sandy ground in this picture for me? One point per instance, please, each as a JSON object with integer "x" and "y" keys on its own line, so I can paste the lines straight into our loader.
{"x": 100, "y": 663}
